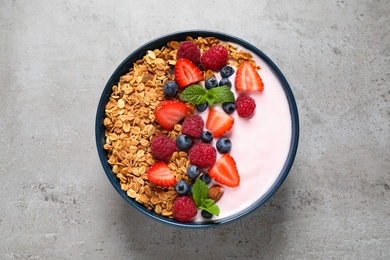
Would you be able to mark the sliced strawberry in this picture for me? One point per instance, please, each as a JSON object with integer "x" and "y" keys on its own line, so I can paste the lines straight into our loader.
{"x": 169, "y": 112}
{"x": 161, "y": 175}
{"x": 219, "y": 122}
{"x": 247, "y": 78}
{"x": 225, "y": 171}
{"x": 187, "y": 73}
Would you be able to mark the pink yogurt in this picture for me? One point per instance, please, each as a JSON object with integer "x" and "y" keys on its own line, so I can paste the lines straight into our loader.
{"x": 260, "y": 145}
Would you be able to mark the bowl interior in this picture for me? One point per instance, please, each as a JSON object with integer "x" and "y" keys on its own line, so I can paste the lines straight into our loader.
{"x": 127, "y": 64}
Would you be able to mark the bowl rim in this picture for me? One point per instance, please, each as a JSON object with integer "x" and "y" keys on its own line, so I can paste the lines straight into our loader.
{"x": 159, "y": 42}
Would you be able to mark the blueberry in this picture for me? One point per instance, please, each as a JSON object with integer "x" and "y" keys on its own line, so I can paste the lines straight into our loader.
{"x": 205, "y": 177}
{"x": 229, "y": 107}
{"x": 193, "y": 172}
{"x": 211, "y": 83}
{"x": 202, "y": 107}
{"x": 170, "y": 89}
{"x": 184, "y": 142}
{"x": 191, "y": 187}
{"x": 224, "y": 145}
{"x": 182, "y": 187}
{"x": 225, "y": 82}
{"x": 206, "y": 214}
{"x": 206, "y": 136}
{"x": 226, "y": 71}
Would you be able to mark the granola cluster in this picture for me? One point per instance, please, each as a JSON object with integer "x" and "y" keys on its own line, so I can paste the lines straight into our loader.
{"x": 130, "y": 122}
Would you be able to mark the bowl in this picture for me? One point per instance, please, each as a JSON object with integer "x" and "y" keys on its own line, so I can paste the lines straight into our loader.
{"x": 158, "y": 43}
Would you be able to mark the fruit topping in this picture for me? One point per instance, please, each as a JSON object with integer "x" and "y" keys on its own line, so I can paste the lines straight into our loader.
{"x": 225, "y": 172}
{"x": 160, "y": 174}
{"x": 193, "y": 172}
{"x": 162, "y": 147}
{"x": 229, "y": 107}
{"x": 193, "y": 126}
{"x": 184, "y": 208}
{"x": 206, "y": 214}
{"x": 202, "y": 107}
{"x": 170, "y": 89}
{"x": 224, "y": 145}
{"x": 226, "y": 71}
{"x": 169, "y": 112}
{"x": 219, "y": 122}
{"x": 206, "y": 136}
{"x": 215, "y": 58}
{"x": 203, "y": 155}
{"x": 210, "y": 83}
{"x": 182, "y": 187}
{"x": 245, "y": 106}
{"x": 225, "y": 82}
{"x": 184, "y": 142}
{"x": 247, "y": 78}
{"x": 188, "y": 50}
{"x": 187, "y": 73}
{"x": 205, "y": 177}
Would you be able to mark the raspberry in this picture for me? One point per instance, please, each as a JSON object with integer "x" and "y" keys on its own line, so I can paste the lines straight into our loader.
{"x": 184, "y": 208}
{"x": 245, "y": 106}
{"x": 162, "y": 147}
{"x": 203, "y": 155}
{"x": 189, "y": 51}
{"x": 215, "y": 58}
{"x": 193, "y": 126}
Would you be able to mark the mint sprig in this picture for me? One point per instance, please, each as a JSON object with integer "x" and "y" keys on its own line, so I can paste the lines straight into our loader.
{"x": 200, "y": 193}
{"x": 198, "y": 95}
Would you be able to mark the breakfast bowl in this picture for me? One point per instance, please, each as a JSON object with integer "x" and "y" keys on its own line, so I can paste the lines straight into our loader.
{"x": 140, "y": 119}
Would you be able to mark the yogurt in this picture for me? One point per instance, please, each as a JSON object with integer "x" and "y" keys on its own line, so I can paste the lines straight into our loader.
{"x": 260, "y": 145}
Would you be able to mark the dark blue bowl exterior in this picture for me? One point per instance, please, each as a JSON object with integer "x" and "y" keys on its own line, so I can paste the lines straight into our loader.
{"x": 127, "y": 64}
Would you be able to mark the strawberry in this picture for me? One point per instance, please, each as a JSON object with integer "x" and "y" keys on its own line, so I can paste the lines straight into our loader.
{"x": 187, "y": 73}
{"x": 225, "y": 171}
{"x": 161, "y": 175}
{"x": 247, "y": 78}
{"x": 169, "y": 112}
{"x": 219, "y": 122}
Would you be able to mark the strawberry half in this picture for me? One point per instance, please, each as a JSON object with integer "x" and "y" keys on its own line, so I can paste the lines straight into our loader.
{"x": 187, "y": 73}
{"x": 247, "y": 78}
{"x": 219, "y": 122}
{"x": 169, "y": 112}
{"x": 225, "y": 171}
{"x": 161, "y": 175}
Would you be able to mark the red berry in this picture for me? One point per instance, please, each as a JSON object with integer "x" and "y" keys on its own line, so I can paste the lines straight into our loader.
{"x": 161, "y": 175}
{"x": 163, "y": 147}
{"x": 225, "y": 171}
{"x": 169, "y": 112}
{"x": 187, "y": 73}
{"x": 184, "y": 208}
{"x": 247, "y": 78}
{"x": 215, "y": 58}
{"x": 245, "y": 106}
{"x": 193, "y": 126}
{"x": 188, "y": 50}
{"x": 203, "y": 155}
{"x": 219, "y": 123}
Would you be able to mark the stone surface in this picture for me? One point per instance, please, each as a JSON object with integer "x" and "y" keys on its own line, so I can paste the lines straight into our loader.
{"x": 55, "y": 200}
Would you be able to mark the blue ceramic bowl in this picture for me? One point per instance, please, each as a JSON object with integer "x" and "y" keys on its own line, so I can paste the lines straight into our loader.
{"x": 124, "y": 67}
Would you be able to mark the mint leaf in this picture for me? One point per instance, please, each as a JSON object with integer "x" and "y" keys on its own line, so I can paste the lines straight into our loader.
{"x": 220, "y": 95}
{"x": 195, "y": 94}
{"x": 198, "y": 95}
{"x": 200, "y": 192}
{"x": 211, "y": 207}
